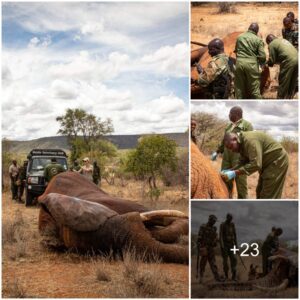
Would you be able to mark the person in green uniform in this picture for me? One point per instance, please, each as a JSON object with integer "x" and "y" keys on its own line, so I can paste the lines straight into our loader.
{"x": 22, "y": 178}
{"x": 269, "y": 247}
{"x": 76, "y": 167}
{"x": 283, "y": 53}
{"x": 259, "y": 153}
{"x": 52, "y": 169}
{"x": 228, "y": 241}
{"x": 231, "y": 159}
{"x": 290, "y": 32}
{"x": 96, "y": 173}
{"x": 250, "y": 54}
{"x": 207, "y": 241}
{"x": 216, "y": 77}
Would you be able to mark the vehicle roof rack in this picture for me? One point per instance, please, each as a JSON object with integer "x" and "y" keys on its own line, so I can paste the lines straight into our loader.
{"x": 46, "y": 152}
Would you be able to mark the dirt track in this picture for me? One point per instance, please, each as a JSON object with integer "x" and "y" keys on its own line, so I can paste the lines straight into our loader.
{"x": 33, "y": 271}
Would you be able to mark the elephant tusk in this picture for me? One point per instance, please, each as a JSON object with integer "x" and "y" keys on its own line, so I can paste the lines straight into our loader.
{"x": 147, "y": 216}
{"x": 278, "y": 288}
{"x": 273, "y": 257}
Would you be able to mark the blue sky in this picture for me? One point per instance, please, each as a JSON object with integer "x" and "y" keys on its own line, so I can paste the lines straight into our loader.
{"x": 126, "y": 61}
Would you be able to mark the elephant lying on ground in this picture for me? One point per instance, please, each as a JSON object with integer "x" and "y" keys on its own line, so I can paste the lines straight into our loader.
{"x": 202, "y": 57}
{"x": 78, "y": 215}
{"x": 284, "y": 273}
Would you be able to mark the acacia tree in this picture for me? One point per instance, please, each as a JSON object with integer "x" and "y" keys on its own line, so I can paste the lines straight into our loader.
{"x": 152, "y": 154}
{"x": 83, "y": 129}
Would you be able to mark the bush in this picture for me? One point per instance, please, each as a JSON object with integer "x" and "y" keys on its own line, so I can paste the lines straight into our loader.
{"x": 290, "y": 144}
{"x": 181, "y": 176}
{"x": 226, "y": 8}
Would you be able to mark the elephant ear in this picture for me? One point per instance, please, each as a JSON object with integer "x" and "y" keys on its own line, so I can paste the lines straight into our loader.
{"x": 75, "y": 213}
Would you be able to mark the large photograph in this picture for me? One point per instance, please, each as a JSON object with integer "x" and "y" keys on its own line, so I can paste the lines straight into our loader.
{"x": 95, "y": 150}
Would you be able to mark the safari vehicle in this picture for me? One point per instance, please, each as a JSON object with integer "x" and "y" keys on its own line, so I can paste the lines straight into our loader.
{"x": 37, "y": 160}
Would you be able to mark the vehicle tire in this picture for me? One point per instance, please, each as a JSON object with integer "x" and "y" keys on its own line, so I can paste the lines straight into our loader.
{"x": 28, "y": 198}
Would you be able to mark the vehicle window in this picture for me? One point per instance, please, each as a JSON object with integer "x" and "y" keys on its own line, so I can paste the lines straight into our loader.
{"x": 39, "y": 163}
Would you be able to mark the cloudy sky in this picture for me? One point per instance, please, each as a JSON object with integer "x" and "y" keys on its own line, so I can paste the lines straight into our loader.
{"x": 253, "y": 220}
{"x": 278, "y": 118}
{"x": 126, "y": 61}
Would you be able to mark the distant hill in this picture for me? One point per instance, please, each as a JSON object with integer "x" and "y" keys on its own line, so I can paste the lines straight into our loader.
{"x": 61, "y": 142}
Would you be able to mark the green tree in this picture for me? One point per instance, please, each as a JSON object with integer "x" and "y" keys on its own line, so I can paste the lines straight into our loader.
{"x": 151, "y": 155}
{"x": 82, "y": 129}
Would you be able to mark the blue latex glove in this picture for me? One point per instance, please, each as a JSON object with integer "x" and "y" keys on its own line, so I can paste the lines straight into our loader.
{"x": 228, "y": 175}
{"x": 214, "y": 156}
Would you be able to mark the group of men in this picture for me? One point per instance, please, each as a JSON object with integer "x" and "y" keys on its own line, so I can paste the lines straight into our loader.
{"x": 208, "y": 240}
{"x": 218, "y": 76}
{"x": 245, "y": 152}
{"x": 18, "y": 174}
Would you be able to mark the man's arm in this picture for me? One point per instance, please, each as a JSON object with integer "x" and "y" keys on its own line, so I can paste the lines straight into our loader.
{"x": 272, "y": 56}
{"x": 254, "y": 154}
{"x": 209, "y": 74}
{"x": 261, "y": 53}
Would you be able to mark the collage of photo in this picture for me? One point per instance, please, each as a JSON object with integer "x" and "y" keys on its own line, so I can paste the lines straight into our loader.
{"x": 150, "y": 149}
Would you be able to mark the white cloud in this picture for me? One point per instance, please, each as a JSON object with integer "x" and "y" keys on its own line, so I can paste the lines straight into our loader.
{"x": 169, "y": 60}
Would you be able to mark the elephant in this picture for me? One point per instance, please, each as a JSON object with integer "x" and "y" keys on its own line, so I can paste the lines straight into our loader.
{"x": 76, "y": 214}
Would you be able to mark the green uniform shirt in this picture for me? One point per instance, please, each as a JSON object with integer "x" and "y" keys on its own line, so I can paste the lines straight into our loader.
{"x": 216, "y": 67}
{"x": 249, "y": 46}
{"x": 258, "y": 150}
{"x": 282, "y": 52}
{"x": 239, "y": 126}
{"x": 271, "y": 244}
{"x": 52, "y": 170}
{"x": 227, "y": 234}
{"x": 207, "y": 236}
{"x": 291, "y": 35}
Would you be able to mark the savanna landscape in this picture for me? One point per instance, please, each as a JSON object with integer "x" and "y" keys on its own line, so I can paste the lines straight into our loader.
{"x": 218, "y": 19}
{"x": 31, "y": 270}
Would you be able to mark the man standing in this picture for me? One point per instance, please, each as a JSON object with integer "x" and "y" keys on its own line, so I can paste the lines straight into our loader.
{"x": 290, "y": 32}
{"x": 250, "y": 54}
{"x": 283, "y": 53}
{"x": 228, "y": 241}
{"x": 76, "y": 167}
{"x": 96, "y": 173}
{"x": 269, "y": 247}
{"x": 207, "y": 241}
{"x": 22, "y": 179}
{"x": 53, "y": 169}
{"x": 14, "y": 174}
{"x": 231, "y": 159}
{"x": 259, "y": 153}
{"x": 216, "y": 78}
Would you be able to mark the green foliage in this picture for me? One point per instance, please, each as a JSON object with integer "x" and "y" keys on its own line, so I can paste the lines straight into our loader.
{"x": 77, "y": 122}
{"x": 181, "y": 176}
{"x": 151, "y": 155}
{"x": 290, "y": 144}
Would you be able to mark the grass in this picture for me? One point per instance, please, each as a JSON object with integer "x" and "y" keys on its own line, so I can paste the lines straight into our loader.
{"x": 15, "y": 290}
{"x": 138, "y": 281}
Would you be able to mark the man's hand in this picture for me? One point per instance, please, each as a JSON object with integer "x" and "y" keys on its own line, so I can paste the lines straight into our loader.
{"x": 214, "y": 156}
{"x": 228, "y": 175}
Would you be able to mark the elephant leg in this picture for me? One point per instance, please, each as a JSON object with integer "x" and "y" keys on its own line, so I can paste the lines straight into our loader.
{"x": 171, "y": 232}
